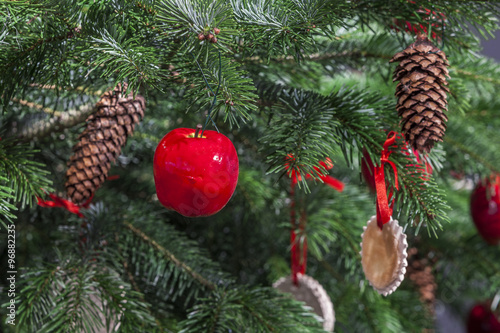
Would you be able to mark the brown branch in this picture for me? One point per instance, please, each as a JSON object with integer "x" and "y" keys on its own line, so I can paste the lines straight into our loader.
{"x": 170, "y": 256}
{"x": 476, "y": 77}
{"x": 319, "y": 56}
{"x": 35, "y": 106}
{"x": 76, "y": 89}
{"x": 58, "y": 122}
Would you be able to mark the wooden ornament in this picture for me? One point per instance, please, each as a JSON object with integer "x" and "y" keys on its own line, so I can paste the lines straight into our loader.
{"x": 312, "y": 294}
{"x": 383, "y": 255}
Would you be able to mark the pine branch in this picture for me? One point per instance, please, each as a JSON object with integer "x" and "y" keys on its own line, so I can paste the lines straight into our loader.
{"x": 125, "y": 58}
{"x": 24, "y": 175}
{"x": 235, "y": 99}
{"x": 6, "y": 207}
{"x": 169, "y": 256}
{"x": 353, "y": 120}
{"x": 302, "y": 134}
{"x": 312, "y": 125}
{"x": 469, "y": 148}
{"x": 458, "y": 18}
{"x": 262, "y": 309}
{"x": 277, "y": 29}
{"x": 77, "y": 296}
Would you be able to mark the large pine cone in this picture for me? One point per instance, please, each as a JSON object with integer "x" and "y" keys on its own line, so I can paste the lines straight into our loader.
{"x": 100, "y": 143}
{"x": 422, "y": 93}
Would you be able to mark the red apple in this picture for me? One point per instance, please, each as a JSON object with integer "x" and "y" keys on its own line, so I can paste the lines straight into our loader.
{"x": 482, "y": 320}
{"x": 195, "y": 176}
{"x": 485, "y": 209}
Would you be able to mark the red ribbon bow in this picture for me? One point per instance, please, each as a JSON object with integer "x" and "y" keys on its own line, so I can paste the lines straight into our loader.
{"x": 66, "y": 204}
{"x": 384, "y": 211}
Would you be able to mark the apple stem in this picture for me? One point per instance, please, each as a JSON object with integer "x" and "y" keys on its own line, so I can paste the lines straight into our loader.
{"x": 198, "y": 128}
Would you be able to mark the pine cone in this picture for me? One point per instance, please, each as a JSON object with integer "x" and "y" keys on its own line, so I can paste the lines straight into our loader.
{"x": 422, "y": 93}
{"x": 419, "y": 271}
{"x": 100, "y": 143}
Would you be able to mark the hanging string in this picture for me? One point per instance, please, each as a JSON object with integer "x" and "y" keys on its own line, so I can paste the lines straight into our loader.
{"x": 209, "y": 116}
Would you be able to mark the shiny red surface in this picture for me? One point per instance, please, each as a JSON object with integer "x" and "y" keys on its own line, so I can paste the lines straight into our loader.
{"x": 485, "y": 210}
{"x": 482, "y": 320}
{"x": 195, "y": 176}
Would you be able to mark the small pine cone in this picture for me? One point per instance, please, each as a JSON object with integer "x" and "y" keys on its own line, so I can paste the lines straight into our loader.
{"x": 422, "y": 93}
{"x": 100, "y": 143}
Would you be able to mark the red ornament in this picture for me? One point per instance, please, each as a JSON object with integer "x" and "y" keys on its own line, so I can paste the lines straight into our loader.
{"x": 195, "y": 176}
{"x": 482, "y": 320}
{"x": 485, "y": 209}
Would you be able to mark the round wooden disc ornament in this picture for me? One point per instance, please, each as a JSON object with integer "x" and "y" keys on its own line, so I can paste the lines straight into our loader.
{"x": 383, "y": 255}
{"x": 313, "y": 294}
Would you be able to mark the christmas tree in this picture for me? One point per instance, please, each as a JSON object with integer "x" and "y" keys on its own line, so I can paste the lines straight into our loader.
{"x": 309, "y": 93}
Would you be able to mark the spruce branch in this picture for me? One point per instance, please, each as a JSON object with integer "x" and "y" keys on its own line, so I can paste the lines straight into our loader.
{"x": 6, "y": 207}
{"x": 311, "y": 125}
{"x": 25, "y": 176}
{"x": 469, "y": 148}
{"x": 236, "y": 91}
{"x": 301, "y": 135}
{"x": 78, "y": 296}
{"x": 125, "y": 58}
{"x": 169, "y": 256}
{"x": 39, "y": 42}
{"x": 262, "y": 309}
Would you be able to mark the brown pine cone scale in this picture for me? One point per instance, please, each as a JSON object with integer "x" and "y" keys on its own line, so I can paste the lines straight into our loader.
{"x": 420, "y": 272}
{"x": 100, "y": 143}
{"x": 422, "y": 93}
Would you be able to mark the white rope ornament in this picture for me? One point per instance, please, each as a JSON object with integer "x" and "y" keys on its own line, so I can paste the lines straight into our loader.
{"x": 383, "y": 255}
{"x": 312, "y": 293}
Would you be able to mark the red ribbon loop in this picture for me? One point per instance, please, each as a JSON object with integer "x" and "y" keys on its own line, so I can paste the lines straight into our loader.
{"x": 384, "y": 211}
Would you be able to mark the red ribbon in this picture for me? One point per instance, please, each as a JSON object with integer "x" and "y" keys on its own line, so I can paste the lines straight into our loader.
{"x": 66, "y": 204}
{"x": 328, "y": 180}
{"x": 298, "y": 244}
{"x": 384, "y": 211}
{"x": 298, "y": 240}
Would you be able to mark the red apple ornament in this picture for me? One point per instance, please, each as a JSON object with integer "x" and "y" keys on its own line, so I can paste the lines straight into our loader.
{"x": 482, "y": 320}
{"x": 194, "y": 175}
{"x": 485, "y": 209}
